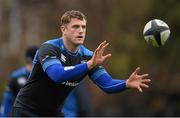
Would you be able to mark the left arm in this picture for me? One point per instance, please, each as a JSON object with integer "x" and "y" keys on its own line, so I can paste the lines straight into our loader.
{"x": 109, "y": 85}
{"x": 105, "y": 81}
{"x": 101, "y": 78}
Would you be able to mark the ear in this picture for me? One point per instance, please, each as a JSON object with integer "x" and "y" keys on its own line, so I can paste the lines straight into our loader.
{"x": 63, "y": 28}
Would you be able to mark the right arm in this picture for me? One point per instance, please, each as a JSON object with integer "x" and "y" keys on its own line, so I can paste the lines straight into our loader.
{"x": 52, "y": 66}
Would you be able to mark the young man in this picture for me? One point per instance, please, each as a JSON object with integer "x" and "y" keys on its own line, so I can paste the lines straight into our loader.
{"x": 60, "y": 64}
{"x": 17, "y": 79}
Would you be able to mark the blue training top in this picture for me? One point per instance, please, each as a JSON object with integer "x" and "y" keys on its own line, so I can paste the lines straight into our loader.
{"x": 55, "y": 73}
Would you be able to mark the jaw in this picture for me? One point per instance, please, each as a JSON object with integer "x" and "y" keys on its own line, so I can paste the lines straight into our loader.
{"x": 72, "y": 44}
{"x": 78, "y": 41}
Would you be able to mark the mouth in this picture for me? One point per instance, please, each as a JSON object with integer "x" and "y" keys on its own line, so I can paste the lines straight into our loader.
{"x": 79, "y": 37}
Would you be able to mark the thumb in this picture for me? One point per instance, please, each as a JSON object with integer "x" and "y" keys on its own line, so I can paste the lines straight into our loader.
{"x": 137, "y": 70}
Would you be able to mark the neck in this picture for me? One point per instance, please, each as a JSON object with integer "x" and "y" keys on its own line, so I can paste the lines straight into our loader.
{"x": 70, "y": 46}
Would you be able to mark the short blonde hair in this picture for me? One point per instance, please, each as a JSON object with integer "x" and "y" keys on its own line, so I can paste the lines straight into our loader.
{"x": 68, "y": 15}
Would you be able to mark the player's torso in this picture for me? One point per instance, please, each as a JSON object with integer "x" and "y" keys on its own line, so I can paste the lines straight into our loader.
{"x": 67, "y": 59}
{"x": 42, "y": 89}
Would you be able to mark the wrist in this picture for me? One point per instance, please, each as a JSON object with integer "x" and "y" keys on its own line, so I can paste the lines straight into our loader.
{"x": 127, "y": 86}
{"x": 90, "y": 64}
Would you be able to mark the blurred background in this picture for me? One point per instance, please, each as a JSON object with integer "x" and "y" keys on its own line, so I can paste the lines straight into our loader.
{"x": 120, "y": 22}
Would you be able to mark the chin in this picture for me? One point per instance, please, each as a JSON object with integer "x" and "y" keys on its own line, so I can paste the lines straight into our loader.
{"x": 79, "y": 42}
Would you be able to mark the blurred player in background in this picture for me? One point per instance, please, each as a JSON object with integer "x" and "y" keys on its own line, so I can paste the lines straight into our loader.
{"x": 16, "y": 81}
{"x": 61, "y": 64}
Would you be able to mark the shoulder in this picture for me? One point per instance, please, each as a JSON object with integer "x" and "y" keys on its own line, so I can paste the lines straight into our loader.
{"x": 19, "y": 72}
{"x": 51, "y": 45}
{"x": 56, "y": 42}
{"x": 85, "y": 51}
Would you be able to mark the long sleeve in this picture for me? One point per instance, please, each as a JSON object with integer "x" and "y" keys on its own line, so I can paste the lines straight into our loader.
{"x": 59, "y": 74}
{"x": 109, "y": 85}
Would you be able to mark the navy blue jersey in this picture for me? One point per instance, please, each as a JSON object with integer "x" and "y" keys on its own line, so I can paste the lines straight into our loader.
{"x": 41, "y": 94}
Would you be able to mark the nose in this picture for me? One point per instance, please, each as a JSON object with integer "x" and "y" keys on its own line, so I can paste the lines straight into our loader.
{"x": 81, "y": 30}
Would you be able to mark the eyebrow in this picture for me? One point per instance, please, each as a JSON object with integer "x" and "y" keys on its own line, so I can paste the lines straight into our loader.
{"x": 76, "y": 25}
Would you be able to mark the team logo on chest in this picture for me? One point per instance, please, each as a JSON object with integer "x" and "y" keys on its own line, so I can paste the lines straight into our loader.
{"x": 73, "y": 84}
{"x": 63, "y": 58}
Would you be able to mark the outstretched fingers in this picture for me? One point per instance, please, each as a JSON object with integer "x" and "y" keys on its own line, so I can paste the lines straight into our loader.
{"x": 144, "y": 85}
{"x": 146, "y": 80}
{"x": 107, "y": 56}
{"x": 104, "y": 47}
{"x": 144, "y": 76}
{"x": 100, "y": 50}
{"x": 143, "y": 82}
{"x": 140, "y": 89}
{"x": 101, "y": 45}
{"x": 98, "y": 57}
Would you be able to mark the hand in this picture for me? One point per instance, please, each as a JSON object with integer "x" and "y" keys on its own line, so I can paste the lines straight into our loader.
{"x": 98, "y": 58}
{"x": 138, "y": 81}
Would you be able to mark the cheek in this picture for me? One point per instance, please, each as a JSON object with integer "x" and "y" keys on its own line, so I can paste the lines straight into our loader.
{"x": 69, "y": 33}
{"x": 73, "y": 33}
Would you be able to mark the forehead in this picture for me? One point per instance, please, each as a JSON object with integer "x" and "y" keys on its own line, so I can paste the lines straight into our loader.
{"x": 75, "y": 21}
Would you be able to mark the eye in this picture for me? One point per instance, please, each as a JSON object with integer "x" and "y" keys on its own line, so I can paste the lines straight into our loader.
{"x": 83, "y": 26}
{"x": 76, "y": 26}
